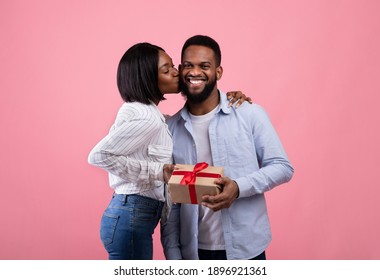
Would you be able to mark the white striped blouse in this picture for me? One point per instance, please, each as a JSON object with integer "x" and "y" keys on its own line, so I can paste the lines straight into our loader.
{"x": 135, "y": 151}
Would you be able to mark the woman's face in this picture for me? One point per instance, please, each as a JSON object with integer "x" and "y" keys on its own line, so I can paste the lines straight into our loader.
{"x": 168, "y": 77}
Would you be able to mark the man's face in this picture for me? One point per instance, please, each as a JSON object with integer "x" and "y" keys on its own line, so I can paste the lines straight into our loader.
{"x": 199, "y": 73}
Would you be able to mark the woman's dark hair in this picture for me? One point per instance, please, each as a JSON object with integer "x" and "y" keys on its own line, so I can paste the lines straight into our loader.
{"x": 137, "y": 74}
{"x": 205, "y": 41}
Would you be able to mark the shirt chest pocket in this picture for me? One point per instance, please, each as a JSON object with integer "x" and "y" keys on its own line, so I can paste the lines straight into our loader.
{"x": 240, "y": 151}
{"x": 160, "y": 153}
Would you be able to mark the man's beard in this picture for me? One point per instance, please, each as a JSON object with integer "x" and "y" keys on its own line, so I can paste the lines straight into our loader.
{"x": 199, "y": 97}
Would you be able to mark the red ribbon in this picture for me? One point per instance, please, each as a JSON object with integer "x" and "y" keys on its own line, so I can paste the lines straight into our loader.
{"x": 189, "y": 178}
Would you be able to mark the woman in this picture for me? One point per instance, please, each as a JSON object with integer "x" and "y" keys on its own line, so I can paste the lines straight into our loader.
{"x": 137, "y": 152}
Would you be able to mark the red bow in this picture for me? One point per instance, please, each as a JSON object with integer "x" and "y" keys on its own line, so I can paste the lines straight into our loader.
{"x": 190, "y": 176}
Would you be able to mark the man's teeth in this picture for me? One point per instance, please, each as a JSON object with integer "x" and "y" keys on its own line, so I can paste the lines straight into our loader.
{"x": 196, "y": 82}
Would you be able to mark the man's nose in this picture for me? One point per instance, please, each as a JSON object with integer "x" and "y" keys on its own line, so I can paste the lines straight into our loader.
{"x": 195, "y": 71}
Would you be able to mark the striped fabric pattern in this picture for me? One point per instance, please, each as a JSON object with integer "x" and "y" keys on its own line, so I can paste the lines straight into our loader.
{"x": 135, "y": 150}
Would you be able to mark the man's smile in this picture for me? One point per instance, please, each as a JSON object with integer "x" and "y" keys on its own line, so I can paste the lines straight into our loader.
{"x": 195, "y": 81}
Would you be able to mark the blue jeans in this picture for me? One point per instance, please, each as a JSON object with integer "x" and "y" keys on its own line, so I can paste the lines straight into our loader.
{"x": 127, "y": 227}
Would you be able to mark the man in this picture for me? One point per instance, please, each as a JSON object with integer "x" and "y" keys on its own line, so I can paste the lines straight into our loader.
{"x": 233, "y": 224}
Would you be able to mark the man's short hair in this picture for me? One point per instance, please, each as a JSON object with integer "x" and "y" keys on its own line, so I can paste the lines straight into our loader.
{"x": 206, "y": 41}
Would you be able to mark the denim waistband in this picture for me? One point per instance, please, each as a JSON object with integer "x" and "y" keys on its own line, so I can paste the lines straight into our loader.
{"x": 133, "y": 198}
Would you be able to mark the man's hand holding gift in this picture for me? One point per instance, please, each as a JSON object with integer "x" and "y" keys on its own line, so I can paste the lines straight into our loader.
{"x": 230, "y": 191}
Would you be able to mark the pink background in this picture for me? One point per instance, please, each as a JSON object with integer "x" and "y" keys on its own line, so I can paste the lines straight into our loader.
{"x": 314, "y": 65}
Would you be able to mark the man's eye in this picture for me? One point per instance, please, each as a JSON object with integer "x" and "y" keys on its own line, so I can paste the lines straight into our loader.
{"x": 186, "y": 65}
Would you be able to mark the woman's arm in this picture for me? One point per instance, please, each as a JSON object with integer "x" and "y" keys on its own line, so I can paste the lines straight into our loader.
{"x": 113, "y": 152}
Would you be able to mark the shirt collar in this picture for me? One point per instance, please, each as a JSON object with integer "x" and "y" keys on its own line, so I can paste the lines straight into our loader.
{"x": 224, "y": 103}
{"x": 223, "y": 107}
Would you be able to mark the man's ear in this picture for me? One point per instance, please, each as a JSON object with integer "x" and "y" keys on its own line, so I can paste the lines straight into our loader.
{"x": 219, "y": 72}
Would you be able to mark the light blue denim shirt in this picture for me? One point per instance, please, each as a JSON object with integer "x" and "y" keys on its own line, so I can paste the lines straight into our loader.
{"x": 245, "y": 143}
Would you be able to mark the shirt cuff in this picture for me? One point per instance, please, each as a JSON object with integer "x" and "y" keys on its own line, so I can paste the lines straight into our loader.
{"x": 245, "y": 188}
